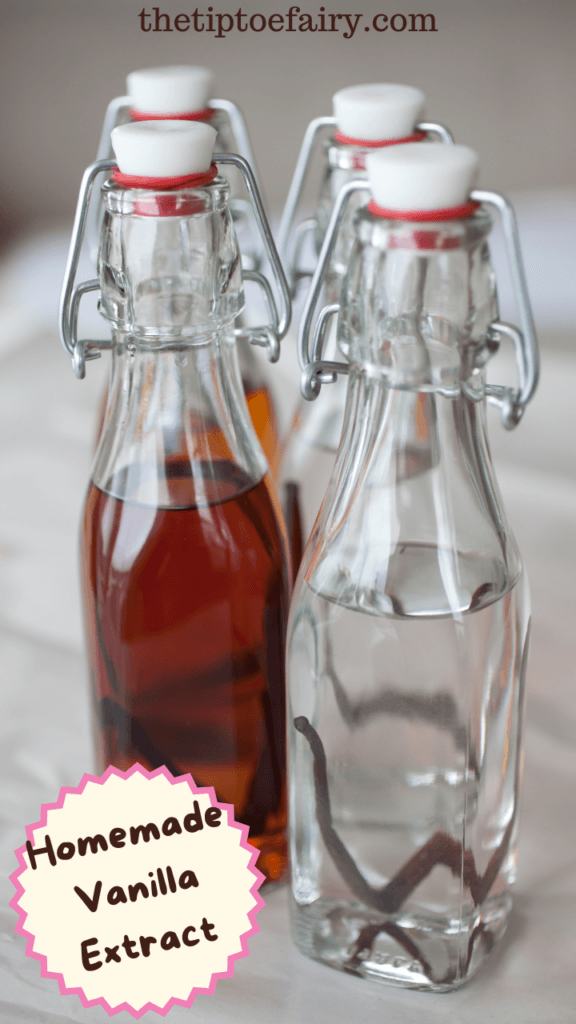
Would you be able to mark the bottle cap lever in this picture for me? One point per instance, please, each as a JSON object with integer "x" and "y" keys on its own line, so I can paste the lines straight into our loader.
{"x": 316, "y": 371}
{"x": 512, "y": 402}
{"x": 370, "y": 112}
{"x": 172, "y": 91}
{"x": 269, "y": 335}
{"x": 70, "y": 296}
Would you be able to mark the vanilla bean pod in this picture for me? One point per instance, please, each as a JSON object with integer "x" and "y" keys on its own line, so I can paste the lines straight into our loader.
{"x": 439, "y": 709}
{"x": 133, "y": 735}
{"x": 370, "y": 932}
{"x": 439, "y": 849}
{"x": 368, "y": 936}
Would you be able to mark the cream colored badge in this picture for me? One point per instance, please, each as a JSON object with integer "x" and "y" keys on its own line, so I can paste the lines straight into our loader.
{"x": 137, "y": 891}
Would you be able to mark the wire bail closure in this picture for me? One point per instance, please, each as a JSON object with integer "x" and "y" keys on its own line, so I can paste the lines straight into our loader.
{"x": 511, "y": 401}
{"x": 268, "y": 336}
{"x": 307, "y": 150}
{"x": 117, "y": 112}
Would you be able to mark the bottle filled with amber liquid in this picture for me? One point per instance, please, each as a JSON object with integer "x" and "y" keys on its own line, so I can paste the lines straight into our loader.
{"x": 184, "y": 565}
{"x": 185, "y": 93}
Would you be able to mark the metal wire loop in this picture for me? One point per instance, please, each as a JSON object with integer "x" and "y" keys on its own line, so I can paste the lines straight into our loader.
{"x": 510, "y": 400}
{"x": 281, "y": 321}
{"x": 269, "y": 335}
{"x": 297, "y": 187}
{"x": 297, "y": 183}
{"x": 263, "y": 336}
{"x": 240, "y": 131}
{"x": 320, "y": 330}
{"x": 317, "y": 374}
{"x": 71, "y": 293}
{"x": 324, "y": 373}
{"x": 434, "y": 128}
{"x": 295, "y": 272}
{"x": 513, "y": 403}
{"x": 117, "y": 110}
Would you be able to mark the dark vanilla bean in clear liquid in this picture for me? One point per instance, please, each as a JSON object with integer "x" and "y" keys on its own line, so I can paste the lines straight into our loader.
{"x": 406, "y": 676}
{"x": 186, "y": 607}
{"x": 420, "y": 726}
{"x": 408, "y": 633}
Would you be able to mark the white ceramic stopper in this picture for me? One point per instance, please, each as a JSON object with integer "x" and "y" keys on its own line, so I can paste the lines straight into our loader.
{"x": 422, "y": 175}
{"x": 175, "y": 90}
{"x": 374, "y": 112}
{"x": 163, "y": 149}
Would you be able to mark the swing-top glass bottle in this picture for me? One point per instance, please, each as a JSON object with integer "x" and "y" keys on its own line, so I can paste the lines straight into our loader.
{"x": 408, "y": 634}
{"x": 185, "y": 92}
{"x": 183, "y": 551}
{"x": 366, "y": 117}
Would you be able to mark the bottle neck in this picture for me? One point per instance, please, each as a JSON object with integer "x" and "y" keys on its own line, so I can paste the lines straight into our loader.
{"x": 177, "y": 431}
{"x": 169, "y": 263}
{"x": 348, "y": 153}
{"x": 345, "y": 161}
{"x": 417, "y": 302}
{"x": 343, "y": 164}
{"x": 413, "y": 523}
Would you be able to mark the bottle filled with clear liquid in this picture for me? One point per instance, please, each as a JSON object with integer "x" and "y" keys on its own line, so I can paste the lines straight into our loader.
{"x": 184, "y": 555}
{"x": 185, "y": 93}
{"x": 366, "y": 118}
{"x": 408, "y": 633}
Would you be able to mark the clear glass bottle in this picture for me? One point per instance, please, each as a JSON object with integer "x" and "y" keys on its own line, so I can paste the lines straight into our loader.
{"x": 408, "y": 632}
{"x": 184, "y": 554}
{"x": 184, "y": 92}
{"x": 366, "y": 117}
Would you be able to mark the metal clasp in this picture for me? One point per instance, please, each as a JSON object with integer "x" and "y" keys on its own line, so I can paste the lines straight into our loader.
{"x": 115, "y": 111}
{"x": 241, "y": 136}
{"x": 271, "y": 334}
{"x": 311, "y": 136}
{"x": 79, "y": 351}
{"x": 118, "y": 109}
{"x": 512, "y": 402}
{"x": 315, "y": 370}
{"x": 267, "y": 335}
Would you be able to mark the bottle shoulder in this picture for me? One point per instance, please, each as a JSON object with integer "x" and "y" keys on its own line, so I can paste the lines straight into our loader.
{"x": 413, "y": 523}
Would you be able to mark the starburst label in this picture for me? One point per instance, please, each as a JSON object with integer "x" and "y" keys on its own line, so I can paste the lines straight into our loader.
{"x": 137, "y": 891}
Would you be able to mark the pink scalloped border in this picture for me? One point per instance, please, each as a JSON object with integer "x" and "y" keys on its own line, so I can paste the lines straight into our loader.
{"x": 22, "y": 915}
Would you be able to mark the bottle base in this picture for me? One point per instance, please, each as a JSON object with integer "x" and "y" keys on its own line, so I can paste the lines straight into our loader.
{"x": 405, "y": 950}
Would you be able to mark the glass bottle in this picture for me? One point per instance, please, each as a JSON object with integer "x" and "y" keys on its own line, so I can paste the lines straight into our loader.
{"x": 183, "y": 92}
{"x": 408, "y": 632}
{"x": 184, "y": 567}
{"x": 366, "y": 117}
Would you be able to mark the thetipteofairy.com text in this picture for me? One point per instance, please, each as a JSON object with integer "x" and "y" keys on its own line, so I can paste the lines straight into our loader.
{"x": 293, "y": 20}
